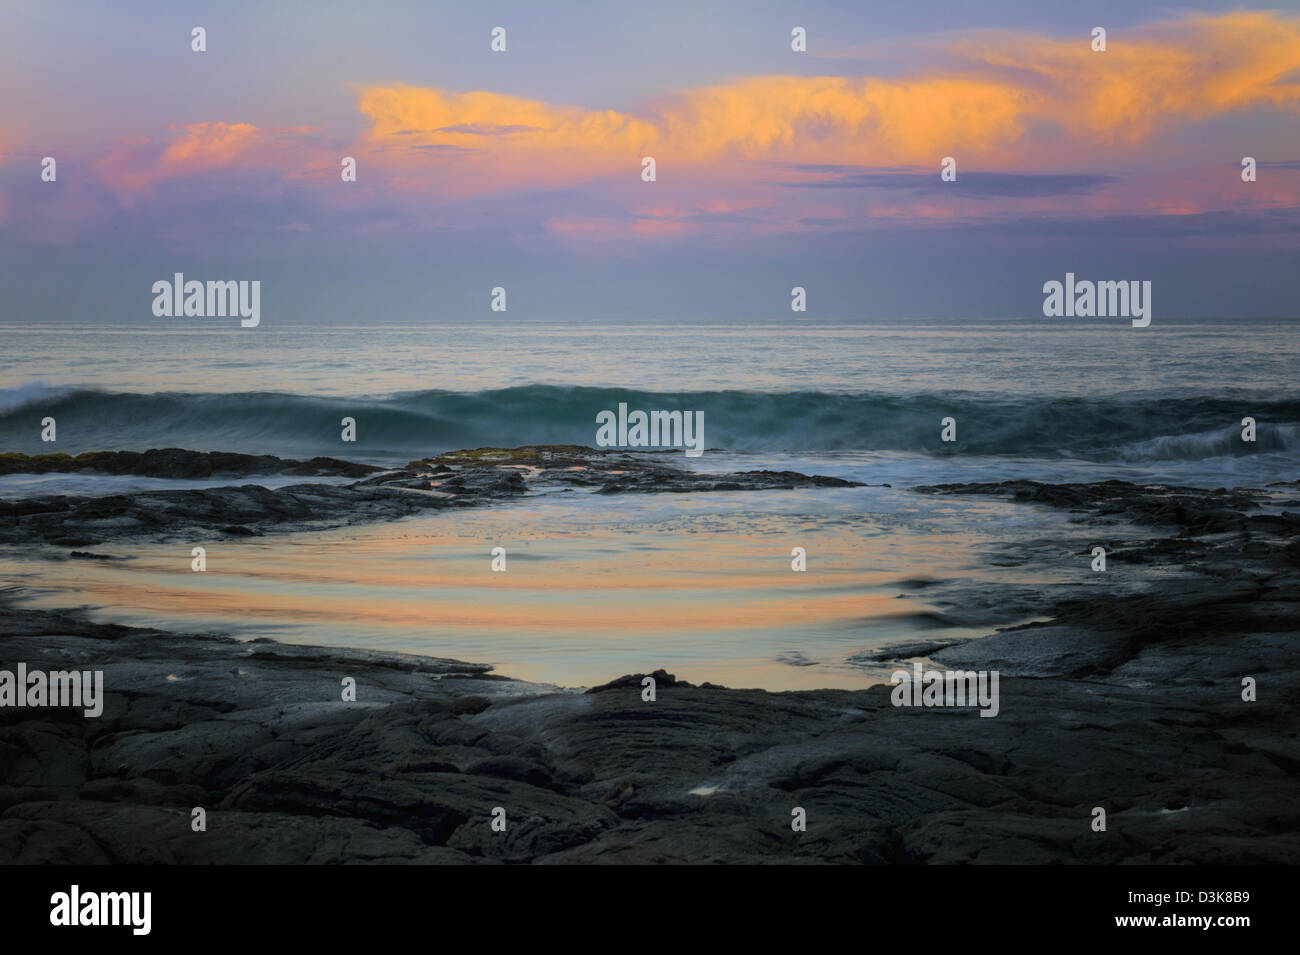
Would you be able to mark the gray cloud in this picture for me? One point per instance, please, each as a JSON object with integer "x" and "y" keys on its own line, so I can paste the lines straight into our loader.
{"x": 974, "y": 185}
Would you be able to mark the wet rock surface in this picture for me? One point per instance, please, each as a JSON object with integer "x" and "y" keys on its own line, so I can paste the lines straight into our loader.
{"x": 1131, "y": 703}
{"x": 458, "y": 479}
{"x": 1192, "y": 510}
{"x": 177, "y": 463}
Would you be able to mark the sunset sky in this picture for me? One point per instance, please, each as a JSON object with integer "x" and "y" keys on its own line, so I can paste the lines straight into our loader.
{"x": 522, "y": 169}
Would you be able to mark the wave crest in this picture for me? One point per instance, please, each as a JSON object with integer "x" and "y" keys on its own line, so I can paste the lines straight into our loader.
{"x": 1118, "y": 428}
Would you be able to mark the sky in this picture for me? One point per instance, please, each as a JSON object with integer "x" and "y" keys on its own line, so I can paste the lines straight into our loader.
{"x": 523, "y": 168}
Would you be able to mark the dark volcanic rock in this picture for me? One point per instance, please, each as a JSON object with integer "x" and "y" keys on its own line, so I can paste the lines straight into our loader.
{"x": 177, "y": 463}
{"x": 459, "y": 479}
{"x": 1190, "y": 509}
{"x": 232, "y": 511}
{"x": 1130, "y": 700}
{"x": 662, "y": 678}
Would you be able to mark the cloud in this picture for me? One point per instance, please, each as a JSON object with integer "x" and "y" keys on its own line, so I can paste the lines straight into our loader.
{"x": 482, "y": 129}
{"x": 135, "y": 165}
{"x": 517, "y": 143}
{"x": 1174, "y": 72}
{"x": 977, "y": 185}
{"x": 1032, "y": 120}
{"x": 798, "y": 119}
{"x": 1009, "y": 100}
{"x": 1217, "y": 224}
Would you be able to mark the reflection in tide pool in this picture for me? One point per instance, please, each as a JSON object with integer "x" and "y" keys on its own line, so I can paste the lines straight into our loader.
{"x": 595, "y": 586}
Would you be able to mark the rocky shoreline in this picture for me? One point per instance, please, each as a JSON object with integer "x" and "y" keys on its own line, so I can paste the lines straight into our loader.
{"x": 457, "y": 479}
{"x": 1131, "y": 702}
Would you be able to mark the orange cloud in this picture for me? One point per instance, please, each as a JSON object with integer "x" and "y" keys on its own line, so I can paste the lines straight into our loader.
{"x": 479, "y": 142}
{"x": 202, "y": 147}
{"x": 999, "y": 102}
{"x": 505, "y": 139}
{"x": 207, "y": 145}
{"x": 981, "y": 110}
{"x": 832, "y": 119}
{"x": 1182, "y": 71}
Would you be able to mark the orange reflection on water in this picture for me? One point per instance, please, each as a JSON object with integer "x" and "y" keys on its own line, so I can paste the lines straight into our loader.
{"x": 573, "y": 608}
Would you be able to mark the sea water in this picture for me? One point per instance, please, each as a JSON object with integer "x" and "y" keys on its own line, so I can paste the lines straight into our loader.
{"x": 601, "y": 585}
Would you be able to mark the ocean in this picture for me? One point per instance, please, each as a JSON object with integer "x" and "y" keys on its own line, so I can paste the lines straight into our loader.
{"x": 701, "y": 584}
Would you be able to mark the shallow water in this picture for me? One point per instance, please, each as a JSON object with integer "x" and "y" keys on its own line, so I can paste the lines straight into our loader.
{"x": 599, "y": 586}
